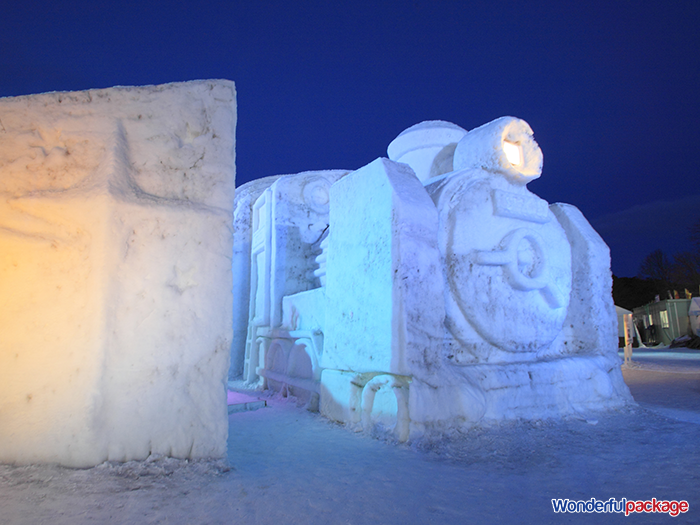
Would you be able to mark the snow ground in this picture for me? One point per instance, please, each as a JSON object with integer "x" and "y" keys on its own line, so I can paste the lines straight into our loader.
{"x": 291, "y": 466}
{"x": 651, "y": 373}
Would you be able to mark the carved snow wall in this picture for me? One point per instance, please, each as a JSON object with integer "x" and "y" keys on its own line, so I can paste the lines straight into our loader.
{"x": 246, "y": 195}
{"x": 288, "y": 225}
{"x": 115, "y": 274}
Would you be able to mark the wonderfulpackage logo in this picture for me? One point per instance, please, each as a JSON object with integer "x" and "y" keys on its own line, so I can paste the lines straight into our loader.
{"x": 672, "y": 508}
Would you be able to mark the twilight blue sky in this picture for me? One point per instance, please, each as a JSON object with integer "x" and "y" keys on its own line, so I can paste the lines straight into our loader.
{"x": 609, "y": 87}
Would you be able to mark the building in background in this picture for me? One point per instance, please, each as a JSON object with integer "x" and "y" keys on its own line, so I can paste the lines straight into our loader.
{"x": 659, "y": 323}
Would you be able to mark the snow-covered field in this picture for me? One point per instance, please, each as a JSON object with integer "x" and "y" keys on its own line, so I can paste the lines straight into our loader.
{"x": 287, "y": 465}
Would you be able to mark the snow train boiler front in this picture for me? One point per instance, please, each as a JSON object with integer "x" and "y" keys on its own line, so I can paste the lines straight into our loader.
{"x": 507, "y": 260}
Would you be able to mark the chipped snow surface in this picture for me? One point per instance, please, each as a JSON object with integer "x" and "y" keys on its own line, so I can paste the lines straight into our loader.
{"x": 287, "y": 465}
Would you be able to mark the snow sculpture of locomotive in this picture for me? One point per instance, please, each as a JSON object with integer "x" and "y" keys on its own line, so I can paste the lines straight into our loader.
{"x": 453, "y": 294}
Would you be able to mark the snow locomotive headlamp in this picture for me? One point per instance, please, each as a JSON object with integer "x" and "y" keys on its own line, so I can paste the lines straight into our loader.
{"x": 504, "y": 146}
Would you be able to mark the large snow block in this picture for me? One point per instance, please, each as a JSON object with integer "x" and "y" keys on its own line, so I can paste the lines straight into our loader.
{"x": 115, "y": 273}
{"x": 384, "y": 286}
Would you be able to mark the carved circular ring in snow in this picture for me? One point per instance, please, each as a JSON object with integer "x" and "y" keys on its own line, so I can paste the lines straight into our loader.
{"x": 530, "y": 274}
{"x": 524, "y": 262}
{"x": 317, "y": 194}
